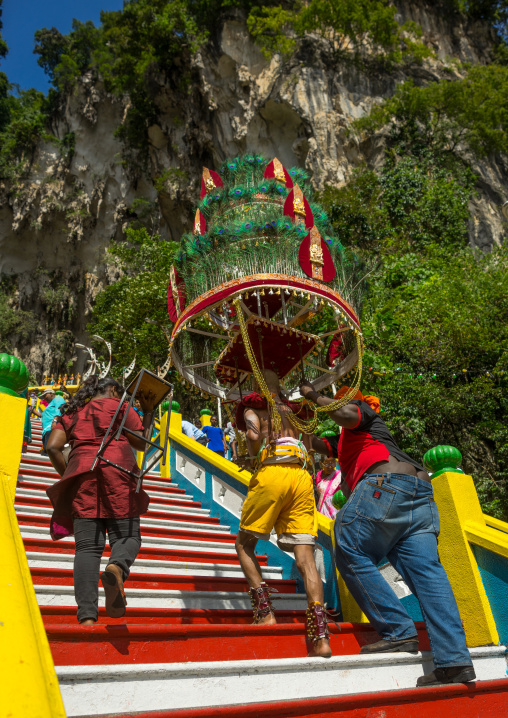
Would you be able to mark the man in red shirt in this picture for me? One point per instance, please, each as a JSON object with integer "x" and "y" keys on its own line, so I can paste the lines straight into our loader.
{"x": 391, "y": 513}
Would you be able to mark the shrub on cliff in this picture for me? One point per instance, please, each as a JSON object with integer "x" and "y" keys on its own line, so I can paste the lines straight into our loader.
{"x": 470, "y": 112}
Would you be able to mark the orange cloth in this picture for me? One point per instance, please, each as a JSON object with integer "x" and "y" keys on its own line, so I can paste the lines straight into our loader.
{"x": 373, "y": 402}
{"x": 358, "y": 396}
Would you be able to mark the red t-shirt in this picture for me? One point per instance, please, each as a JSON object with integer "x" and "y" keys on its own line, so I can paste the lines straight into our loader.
{"x": 365, "y": 444}
{"x": 105, "y": 492}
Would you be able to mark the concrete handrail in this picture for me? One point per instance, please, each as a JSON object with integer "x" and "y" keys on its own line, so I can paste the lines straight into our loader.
{"x": 28, "y": 672}
{"x": 487, "y": 537}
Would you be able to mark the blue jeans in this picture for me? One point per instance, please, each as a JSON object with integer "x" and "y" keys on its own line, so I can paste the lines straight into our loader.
{"x": 399, "y": 520}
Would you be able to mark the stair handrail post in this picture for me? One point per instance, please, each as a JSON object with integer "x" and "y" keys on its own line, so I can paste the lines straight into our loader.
{"x": 175, "y": 424}
{"x": 205, "y": 415}
{"x": 28, "y": 671}
{"x": 457, "y": 502}
{"x": 351, "y": 611}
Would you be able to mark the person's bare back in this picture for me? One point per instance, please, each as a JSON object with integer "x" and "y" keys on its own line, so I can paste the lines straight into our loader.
{"x": 258, "y": 424}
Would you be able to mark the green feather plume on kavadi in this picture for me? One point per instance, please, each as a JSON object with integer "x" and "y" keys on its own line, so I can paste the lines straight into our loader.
{"x": 262, "y": 282}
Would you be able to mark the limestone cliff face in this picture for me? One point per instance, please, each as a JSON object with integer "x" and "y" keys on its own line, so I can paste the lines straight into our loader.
{"x": 56, "y": 225}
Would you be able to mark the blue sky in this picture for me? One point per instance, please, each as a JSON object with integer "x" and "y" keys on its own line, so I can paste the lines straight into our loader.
{"x": 21, "y": 18}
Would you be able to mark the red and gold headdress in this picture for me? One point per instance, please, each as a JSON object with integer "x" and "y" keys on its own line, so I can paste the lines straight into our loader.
{"x": 267, "y": 285}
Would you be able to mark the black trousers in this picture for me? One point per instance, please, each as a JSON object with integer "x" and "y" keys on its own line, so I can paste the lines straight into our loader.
{"x": 90, "y": 535}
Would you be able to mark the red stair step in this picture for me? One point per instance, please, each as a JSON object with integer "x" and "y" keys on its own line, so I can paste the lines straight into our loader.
{"x": 175, "y": 516}
{"x": 485, "y": 699}
{"x": 43, "y": 500}
{"x": 179, "y": 554}
{"x": 107, "y": 644}
{"x": 26, "y": 483}
{"x": 63, "y": 577}
{"x": 151, "y": 513}
{"x": 165, "y": 616}
{"x": 223, "y": 537}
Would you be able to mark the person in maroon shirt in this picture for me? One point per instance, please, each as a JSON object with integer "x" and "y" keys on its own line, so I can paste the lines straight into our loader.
{"x": 93, "y": 503}
{"x": 391, "y": 513}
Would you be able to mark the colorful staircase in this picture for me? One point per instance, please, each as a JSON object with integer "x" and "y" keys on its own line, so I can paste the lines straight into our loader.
{"x": 187, "y": 647}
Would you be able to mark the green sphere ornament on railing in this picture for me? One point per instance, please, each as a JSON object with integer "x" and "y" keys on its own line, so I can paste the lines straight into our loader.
{"x": 13, "y": 375}
{"x": 205, "y": 411}
{"x": 338, "y": 499}
{"x": 441, "y": 459}
{"x": 164, "y": 407}
{"x": 328, "y": 432}
{"x": 175, "y": 406}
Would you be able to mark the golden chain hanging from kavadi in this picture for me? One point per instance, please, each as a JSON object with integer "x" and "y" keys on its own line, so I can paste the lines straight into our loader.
{"x": 261, "y": 282}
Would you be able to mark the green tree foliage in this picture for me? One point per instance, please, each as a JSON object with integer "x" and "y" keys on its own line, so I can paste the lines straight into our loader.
{"x": 126, "y": 51}
{"x": 491, "y": 10}
{"x": 23, "y": 120}
{"x": 410, "y": 205}
{"x": 472, "y": 111}
{"x": 15, "y": 324}
{"x": 350, "y": 25}
{"x": 3, "y": 45}
{"x": 435, "y": 316}
{"x": 66, "y": 57}
{"x": 122, "y": 308}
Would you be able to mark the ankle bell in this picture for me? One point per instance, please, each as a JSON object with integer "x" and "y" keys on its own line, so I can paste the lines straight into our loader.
{"x": 317, "y": 625}
{"x": 261, "y": 602}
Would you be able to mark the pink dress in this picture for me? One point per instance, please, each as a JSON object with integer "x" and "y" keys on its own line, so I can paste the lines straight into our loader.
{"x": 327, "y": 486}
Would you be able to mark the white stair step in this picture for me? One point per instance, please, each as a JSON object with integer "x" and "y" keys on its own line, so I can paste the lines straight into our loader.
{"x": 152, "y": 687}
{"x": 156, "y": 566}
{"x": 37, "y": 532}
{"x": 45, "y": 483}
{"x": 26, "y": 466}
{"x": 160, "y": 508}
{"x": 148, "y": 483}
{"x": 181, "y": 505}
{"x": 194, "y": 526}
{"x": 157, "y": 598}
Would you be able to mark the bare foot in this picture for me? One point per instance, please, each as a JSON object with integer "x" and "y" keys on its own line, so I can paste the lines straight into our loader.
{"x": 268, "y": 620}
{"x": 87, "y": 622}
{"x": 320, "y": 649}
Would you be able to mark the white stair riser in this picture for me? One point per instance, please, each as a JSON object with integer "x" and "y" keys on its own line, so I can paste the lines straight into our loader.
{"x": 149, "y": 486}
{"x": 179, "y": 505}
{"x": 44, "y": 483}
{"x": 27, "y": 466}
{"x": 158, "y": 598}
{"x": 157, "y": 687}
{"x": 35, "y": 532}
{"x": 193, "y": 526}
{"x": 160, "y": 508}
{"x": 143, "y": 565}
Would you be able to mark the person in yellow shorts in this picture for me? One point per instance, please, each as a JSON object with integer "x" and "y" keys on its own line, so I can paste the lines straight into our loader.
{"x": 280, "y": 496}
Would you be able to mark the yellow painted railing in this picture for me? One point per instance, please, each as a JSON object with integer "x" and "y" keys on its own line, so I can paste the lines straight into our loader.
{"x": 462, "y": 523}
{"x": 489, "y": 538}
{"x": 351, "y": 611}
{"x": 26, "y": 666}
{"x": 496, "y": 523}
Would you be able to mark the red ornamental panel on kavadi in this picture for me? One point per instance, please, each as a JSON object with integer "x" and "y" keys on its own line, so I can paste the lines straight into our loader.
{"x": 261, "y": 282}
